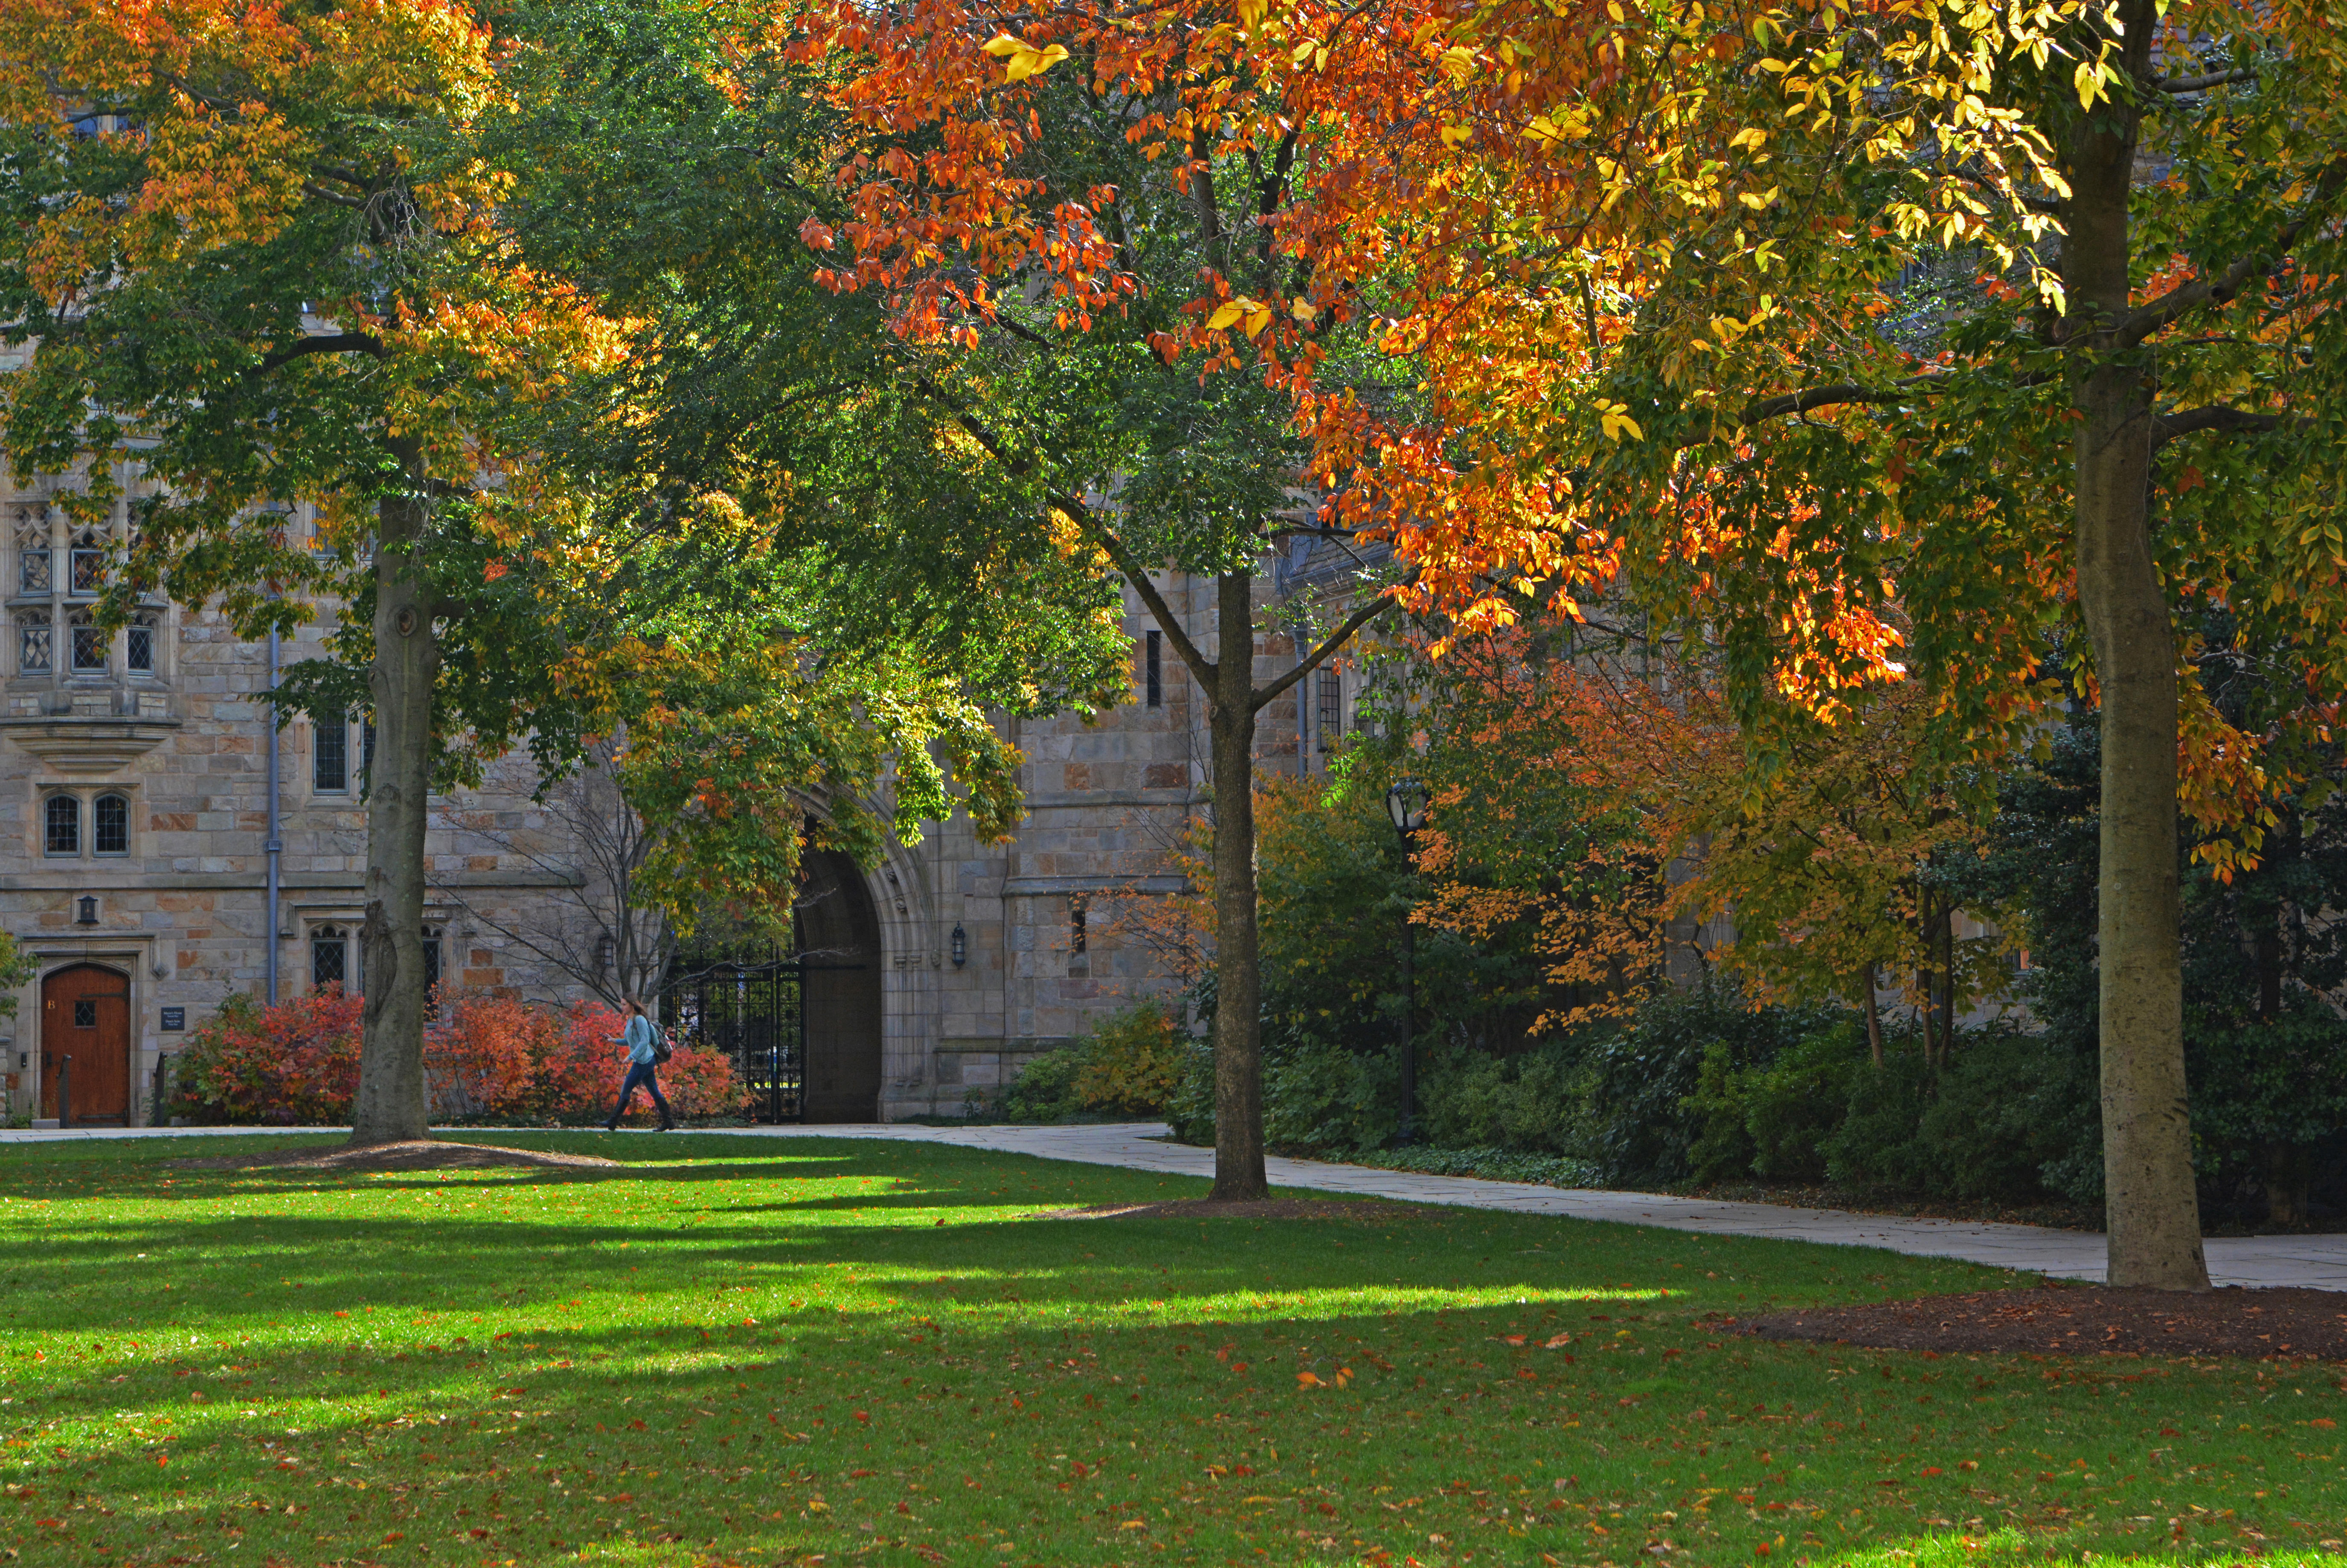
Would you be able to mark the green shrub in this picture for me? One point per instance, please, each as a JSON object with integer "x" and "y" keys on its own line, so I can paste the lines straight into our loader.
{"x": 1489, "y": 1165}
{"x": 1132, "y": 1062}
{"x": 1045, "y": 1089}
{"x": 1639, "y": 1081}
{"x": 1776, "y": 1120}
{"x": 1191, "y": 1112}
{"x": 1530, "y": 1102}
{"x": 2015, "y": 1115}
{"x": 1875, "y": 1145}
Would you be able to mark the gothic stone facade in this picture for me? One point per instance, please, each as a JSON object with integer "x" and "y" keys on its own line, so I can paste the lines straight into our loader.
{"x": 134, "y": 794}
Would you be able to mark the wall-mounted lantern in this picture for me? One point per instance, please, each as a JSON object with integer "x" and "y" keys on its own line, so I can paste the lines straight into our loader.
{"x": 88, "y": 906}
{"x": 960, "y": 947}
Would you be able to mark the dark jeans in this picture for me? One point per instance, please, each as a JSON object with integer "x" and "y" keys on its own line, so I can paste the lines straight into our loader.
{"x": 642, "y": 1072}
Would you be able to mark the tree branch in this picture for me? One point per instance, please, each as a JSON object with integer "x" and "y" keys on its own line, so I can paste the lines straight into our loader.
{"x": 2204, "y": 291}
{"x": 1313, "y": 530}
{"x": 321, "y": 342}
{"x": 1134, "y": 571}
{"x": 1137, "y": 573}
{"x": 312, "y": 189}
{"x": 2202, "y": 83}
{"x": 1832, "y": 397}
{"x": 1319, "y": 655}
{"x": 2166, "y": 428}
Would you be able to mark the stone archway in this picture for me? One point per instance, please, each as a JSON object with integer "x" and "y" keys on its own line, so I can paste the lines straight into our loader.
{"x": 838, "y": 939}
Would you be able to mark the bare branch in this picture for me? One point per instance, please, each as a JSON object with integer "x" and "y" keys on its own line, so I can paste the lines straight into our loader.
{"x": 1319, "y": 656}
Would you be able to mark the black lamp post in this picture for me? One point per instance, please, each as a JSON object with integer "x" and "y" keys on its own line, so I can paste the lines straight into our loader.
{"x": 1406, "y": 803}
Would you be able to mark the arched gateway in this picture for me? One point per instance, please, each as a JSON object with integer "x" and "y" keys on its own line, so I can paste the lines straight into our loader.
{"x": 839, "y": 940}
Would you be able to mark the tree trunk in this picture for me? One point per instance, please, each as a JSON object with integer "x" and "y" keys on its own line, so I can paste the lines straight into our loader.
{"x": 1238, "y": 976}
{"x": 2154, "y": 1220}
{"x": 2290, "y": 1173}
{"x": 391, "y": 1103}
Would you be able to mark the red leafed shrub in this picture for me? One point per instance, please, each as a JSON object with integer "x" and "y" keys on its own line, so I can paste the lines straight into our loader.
{"x": 296, "y": 1062}
{"x": 702, "y": 1084}
{"x": 583, "y": 1075}
{"x": 485, "y": 1057}
{"x": 482, "y": 1055}
{"x": 581, "y": 1069}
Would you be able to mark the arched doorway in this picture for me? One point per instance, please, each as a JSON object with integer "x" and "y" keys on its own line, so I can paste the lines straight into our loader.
{"x": 85, "y": 1043}
{"x": 838, "y": 936}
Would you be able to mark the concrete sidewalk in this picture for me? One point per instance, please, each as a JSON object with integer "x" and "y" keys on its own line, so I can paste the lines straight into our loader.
{"x": 2317, "y": 1261}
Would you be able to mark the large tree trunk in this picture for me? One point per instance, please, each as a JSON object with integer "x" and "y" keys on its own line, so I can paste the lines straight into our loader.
{"x": 391, "y": 1103}
{"x": 1239, "y": 975}
{"x": 2154, "y": 1219}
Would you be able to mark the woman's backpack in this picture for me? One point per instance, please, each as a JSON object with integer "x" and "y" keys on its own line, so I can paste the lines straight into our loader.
{"x": 660, "y": 1052}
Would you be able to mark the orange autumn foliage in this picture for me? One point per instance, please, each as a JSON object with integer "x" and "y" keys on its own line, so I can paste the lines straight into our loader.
{"x": 487, "y": 1055}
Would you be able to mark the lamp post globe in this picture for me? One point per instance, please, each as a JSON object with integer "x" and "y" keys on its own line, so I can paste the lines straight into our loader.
{"x": 1406, "y": 804}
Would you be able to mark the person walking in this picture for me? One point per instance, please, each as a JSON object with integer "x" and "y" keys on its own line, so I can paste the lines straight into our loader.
{"x": 643, "y": 1066}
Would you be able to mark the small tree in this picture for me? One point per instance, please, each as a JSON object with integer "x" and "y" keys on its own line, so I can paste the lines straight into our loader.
{"x": 593, "y": 924}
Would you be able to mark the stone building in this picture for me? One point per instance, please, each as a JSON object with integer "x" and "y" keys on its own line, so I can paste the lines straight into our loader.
{"x": 137, "y": 811}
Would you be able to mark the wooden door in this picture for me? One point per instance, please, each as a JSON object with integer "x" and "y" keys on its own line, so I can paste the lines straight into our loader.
{"x": 86, "y": 1016}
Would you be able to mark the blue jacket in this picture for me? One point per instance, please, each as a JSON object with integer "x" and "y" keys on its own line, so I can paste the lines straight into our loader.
{"x": 639, "y": 1040}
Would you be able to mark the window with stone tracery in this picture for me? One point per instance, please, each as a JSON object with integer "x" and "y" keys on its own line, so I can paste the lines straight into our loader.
{"x": 330, "y": 954}
{"x": 33, "y": 574}
{"x": 138, "y": 644}
{"x": 89, "y": 640}
{"x": 89, "y": 565}
{"x": 33, "y": 656}
{"x": 60, "y": 569}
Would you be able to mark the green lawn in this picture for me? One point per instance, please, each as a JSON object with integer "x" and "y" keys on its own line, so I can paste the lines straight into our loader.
{"x": 789, "y": 1351}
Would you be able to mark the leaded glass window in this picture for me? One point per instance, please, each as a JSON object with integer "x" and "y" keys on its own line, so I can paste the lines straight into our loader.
{"x": 88, "y": 642}
{"x": 110, "y": 825}
{"x": 88, "y": 564}
{"x": 61, "y": 826}
{"x": 330, "y": 952}
{"x": 33, "y": 654}
{"x": 330, "y": 758}
{"x": 1331, "y": 688}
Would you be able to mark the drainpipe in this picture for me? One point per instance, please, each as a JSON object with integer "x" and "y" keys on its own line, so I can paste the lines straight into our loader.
{"x": 272, "y": 845}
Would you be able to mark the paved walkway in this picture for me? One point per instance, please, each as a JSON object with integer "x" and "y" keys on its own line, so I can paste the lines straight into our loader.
{"x": 2319, "y": 1261}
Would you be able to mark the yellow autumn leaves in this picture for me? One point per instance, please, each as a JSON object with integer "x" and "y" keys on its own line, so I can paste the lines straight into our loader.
{"x": 1021, "y": 59}
{"x": 1251, "y": 316}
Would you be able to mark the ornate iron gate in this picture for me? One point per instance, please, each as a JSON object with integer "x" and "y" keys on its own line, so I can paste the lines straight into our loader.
{"x": 748, "y": 1004}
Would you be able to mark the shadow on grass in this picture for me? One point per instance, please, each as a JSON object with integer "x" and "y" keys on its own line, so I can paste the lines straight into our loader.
{"x": 598, "y": 1375}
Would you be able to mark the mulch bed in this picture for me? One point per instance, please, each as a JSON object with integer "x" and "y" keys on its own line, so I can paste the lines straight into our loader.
{"x": 1372, "y": 1210}
{"x": 415, "y": 1154}
{"x": 2084, "y": 1320}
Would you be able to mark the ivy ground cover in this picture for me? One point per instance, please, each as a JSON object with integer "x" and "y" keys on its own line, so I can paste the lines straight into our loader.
{"x": 739, "y": 1350}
